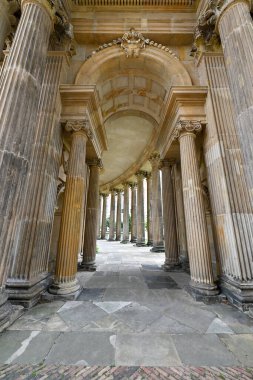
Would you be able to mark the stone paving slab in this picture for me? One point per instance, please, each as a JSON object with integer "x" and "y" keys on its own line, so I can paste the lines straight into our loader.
{"x": 42, "y": 371}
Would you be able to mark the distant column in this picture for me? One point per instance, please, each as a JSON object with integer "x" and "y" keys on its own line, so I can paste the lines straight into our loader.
{"x": 133, "y": 187}
{"x": 149, "y": 209}
{"x": 140, "y": 210}
{"x": 112, "y": 217}
{"x": 125, "y": 239}
{"x": 99, "y": 217}
{"x": 157, "y": 222}
{"x": 118, "y": 221}
{"x": 103, "y": 228}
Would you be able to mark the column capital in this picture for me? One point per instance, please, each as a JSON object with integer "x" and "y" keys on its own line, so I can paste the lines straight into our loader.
{"x": 118, "y": 191}
{"x": 140, "y": 174}
{"x": 75, "y": 126}
{"x": 105, "y": 195}
{"x": 148, "y": 175}
{"x": 95, "y": 162}
{"x": 186, "y": 127}
{"x": 132, "y": 185}
{"x": 126, "y": 184}
{"x": 155, "y": 160}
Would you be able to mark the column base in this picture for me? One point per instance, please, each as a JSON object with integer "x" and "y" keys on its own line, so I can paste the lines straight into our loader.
{"x": 158, "y": 248}
{"x": 172, "y": 267}
{"x": 125, "y": 241}
{"x": 149, "y": 243}
{"x": 140, "y": 243}
{"x": 110, "y": 239}
{"x": 87, "y": 267}
{"x": 204, "y": 293}
{"x": 238, "y": 293}
{"x": 8, "y": 312}
{"x": 118, "y": 238}
{"x": 133, "y": 240}
{"x": 63, "y": 290}
{"x": 26, "y": 293}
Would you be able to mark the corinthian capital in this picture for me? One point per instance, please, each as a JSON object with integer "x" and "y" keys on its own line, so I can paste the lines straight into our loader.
{"x": 186, "y": 127}
{"x": 155, "y": 160}
{"x": 74, "y": 126}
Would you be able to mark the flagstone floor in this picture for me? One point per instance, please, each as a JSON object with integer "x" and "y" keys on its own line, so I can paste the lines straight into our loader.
{"x": 130, "y": 313}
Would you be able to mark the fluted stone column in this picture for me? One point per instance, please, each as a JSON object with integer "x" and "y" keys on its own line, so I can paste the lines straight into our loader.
{"x": 118, "y": 219}
{"x": 236, "y": 32}
{"x": 202, "y": 281}
{"x": 65, "y": 282}
{"x": 149, "y": 209}
{"x": 21, "y": 80}
{"x": 157, "y": 222}
{"x": 140, "y": 210}
{"x": 169, "y": 218}
{"x": 112, "y": 217}
{"x": 99, "y": 217}
{"x": 133, "y": 187}
{"x": 103, "y": 228}
{"x": 28, "y": 274}
{"x": 125, "y": 239}
{"x": 90, "y": 235}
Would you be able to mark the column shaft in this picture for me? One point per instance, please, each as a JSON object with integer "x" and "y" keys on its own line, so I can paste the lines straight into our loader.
{"x": 65, "y": 282}
{"x": 99, "y": 217}
{"x": 118, "y": 221}
{"x": 202, "y": 281}
{"x": 35, "y": 211}
{"x": 126, "y": 215}
{"x": 90, "y": 235}
{"x": 157, "y": 222}
{"x": 149, "y": 210}
{"x": 103, "y": 228}
{"x": 140, "y": 210}
{"x": 112, "y": 217}
{"x": 133, "y": 213}
{"x": 169, "y": 218}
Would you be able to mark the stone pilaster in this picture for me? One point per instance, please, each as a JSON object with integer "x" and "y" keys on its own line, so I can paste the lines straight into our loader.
{"x": 149, "y": 209}
{"x": 103, "y": 228}
{"x": 133, "y": 213}
{"x": 21, "y": 80}
{"x": 65, "y": 283}
{"x": 157, "y": 222}
{"x": 169, "y": 218}
{"x": 28, "y": 275}
{"x": 118, "y": 219}
{"x": 140, "y": 210}
{"x": 202, "y": 284}
{"x": 112, "y": 217}
{"x": 90, "y": 235}
{"x": 125, "y": 239}
{"x": 99, "y": 217}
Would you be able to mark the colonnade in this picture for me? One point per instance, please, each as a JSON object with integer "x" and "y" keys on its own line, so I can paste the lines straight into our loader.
{"x": 31, "y": 121}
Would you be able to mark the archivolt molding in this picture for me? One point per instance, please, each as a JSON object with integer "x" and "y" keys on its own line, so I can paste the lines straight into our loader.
{"x": 132, "y": 43}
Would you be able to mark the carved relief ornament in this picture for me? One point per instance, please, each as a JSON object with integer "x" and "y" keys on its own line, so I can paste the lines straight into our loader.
{"x": 132, "y": 42}
{"x": 187, "y": 126}
{"x": 79, "y": 126}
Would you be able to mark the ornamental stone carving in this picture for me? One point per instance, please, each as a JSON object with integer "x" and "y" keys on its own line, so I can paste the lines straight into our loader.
{"x": 78, "y": 126}
{"x": 187, "y": 126}
{"x": 96, "y": 162}
{"x": 132, "y": 43}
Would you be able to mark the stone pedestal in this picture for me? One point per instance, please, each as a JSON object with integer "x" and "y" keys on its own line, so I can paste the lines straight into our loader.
{"x": 112, "y": 217}
{"x": 169, "y": 218}
{"x": 202, "y": 285}
{"x": 133, "y": 213}
{"x": 103, "y": 228}
{"x": 118, "y": 220}
{"x": 21, "y": 80}
{"x": 90, "y": 238}
{"x": 157, "y": 222}
{"x": 149, "y": 209}
{"x": 65, "y": 283}
{"x": 140, "y": 210}
{"x": 125, "y": 239}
